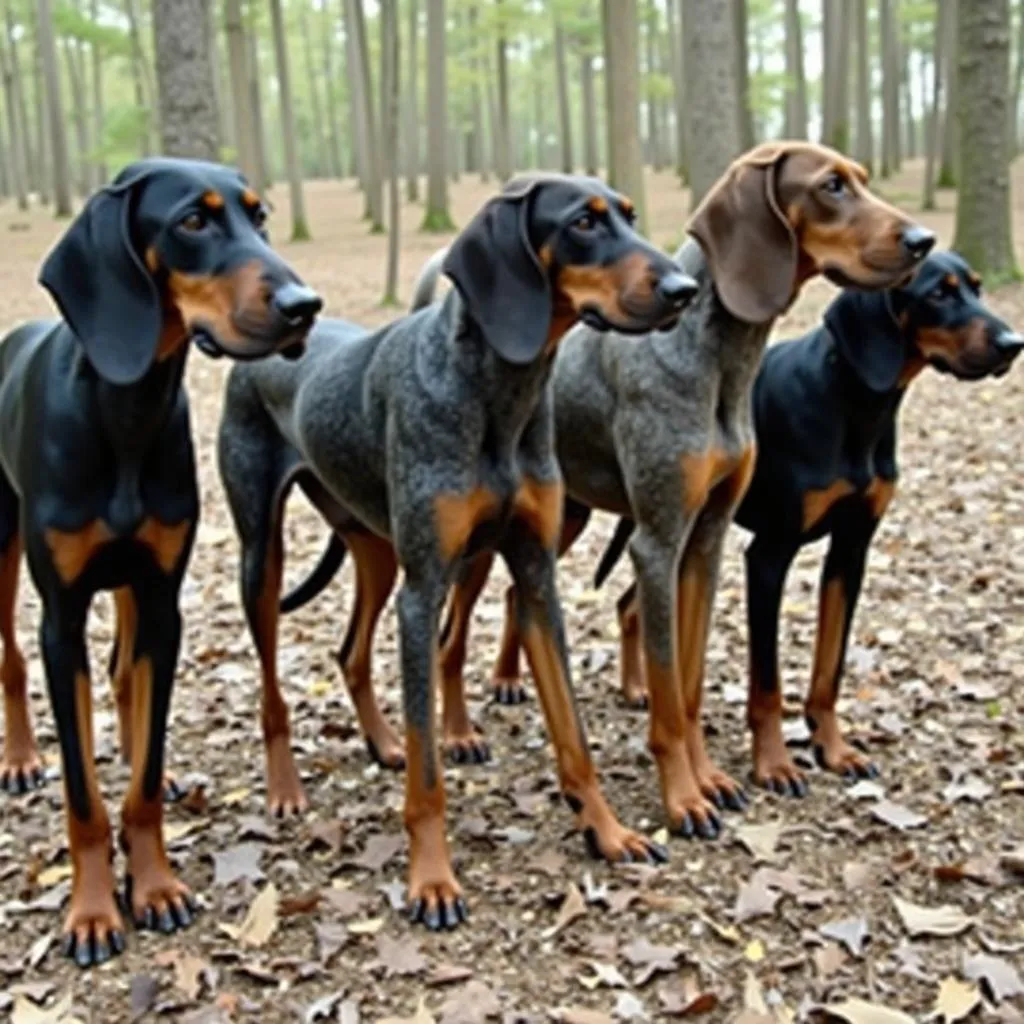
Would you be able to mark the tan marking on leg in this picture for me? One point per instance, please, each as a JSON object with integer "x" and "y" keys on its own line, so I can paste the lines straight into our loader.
{"x": 539, "y": 505}
{"x": 772, "y": 760}
{"x": 154, "y": 884}
{"x": 818, "y": 502}
{"x": 703, "y": 472}
{"x": 631, "y": 669}
{"x": 457, "y": 515}
{"x": 20, "y": 754}
{"x": 72, "y": 552}
{"x": 165, "y": 542}
{"x": 879, "y": 493}
{"x": 122, "y": 678}
{"x": 376, "y": 568}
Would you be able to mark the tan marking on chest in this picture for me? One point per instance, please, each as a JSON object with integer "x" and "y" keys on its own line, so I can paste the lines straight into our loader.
{"x": 165, "y": 542}
{"x": 457, "y": 515}
{"x": 818, "y": 502}
{"x": 539, "y": 505}
{"x": 705, "y": 471}
{"x": 879, "y": 493}
{"x": 72, "y": 552}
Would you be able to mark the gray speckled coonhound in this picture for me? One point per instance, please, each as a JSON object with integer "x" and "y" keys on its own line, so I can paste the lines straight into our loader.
{"x": 431, "y": 440}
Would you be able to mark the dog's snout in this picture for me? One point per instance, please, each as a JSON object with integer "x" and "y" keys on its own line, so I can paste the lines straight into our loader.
{"x": 1009, "y": 342}
{"x": 297, "y": 303}
{"x": 677, "y": 289}
{"x": 917, "y": 240}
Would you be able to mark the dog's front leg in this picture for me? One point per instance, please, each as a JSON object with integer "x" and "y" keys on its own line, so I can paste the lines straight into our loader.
{"x": 532, "y": 564}
{"x": 435, "y": 897}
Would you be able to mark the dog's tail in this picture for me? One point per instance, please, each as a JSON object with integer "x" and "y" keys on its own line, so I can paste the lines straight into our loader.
{"x": 426, "y": 283}
{"x": 620, "y": 538}
{"x": 317, "y": 580}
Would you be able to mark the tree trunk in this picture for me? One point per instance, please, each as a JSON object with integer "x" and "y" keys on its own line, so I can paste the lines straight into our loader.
{"x": 245, "y": 149}
{"x": 652, "y": 69}
{"x": 744, "y": 112}
{"x": 564, "y": 115}
{"x": 55, "y": 109}
{"x": 31, "y": 158}
{"x": 373, "y": 184}
{"x": 300, "y": 226}
{"x": 538, "y": 119}
{"x": 319, "y": 125}
{"x": 331, "y": 103}
{"x": 220, "y": 102}
{"x": 826, "y": 89}
{"x": 184, "y": 75}
{"x": 411, "y": 134}
{"x": 836, "y": 126}
{"x": 1018, "y": 79}
{"x": 437, "y": 217}
{"x": 490, "y": 101}
{"x": 893, "y": 79}
{"x": 98, "y": 116}
{"x": 145, "y": 90}
{"x": 675, "y": 44}
{"x": 479, "y": 148}
{"x": 934, "y": 123}
{"x": 890, "y": 110}
{"x": 503, "y": 126}
{"x": 356, "y": 106}
{"x": 589, "y": 109}
{"x": 948, "y": 167}
{"x": 865, "y": 151}
{"x": 390, "y": 113}
{"x": 908, "y": 122}
{"x": 259, "y": 135}
{"x": 46, "y": 168}
{"x": 622, "y": 101}
{"x": 79, "y": 117}
{"x": 983, "y": 217}
{"x": 17, "y": 170}
{"x": 709, "y": 63}
{"x": 796, "y": 82}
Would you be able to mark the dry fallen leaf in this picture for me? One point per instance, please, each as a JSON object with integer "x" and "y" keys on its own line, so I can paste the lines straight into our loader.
{"x": 956, "y": 999}
{"x": 26, "y": 1012}
{"x": 760, "y": 840}
{"x": 650, "y": 959}
{"x": 628, "y": 1007}
{"x": 581, "y": 1015}
{"x": 242, "y": 861}
{"x": 142, "y": 991}
{"x": 421, "y": 1016}
{"x": 941, "y": 921}
{"x": 828, "y": 960}
{"x": 857, "y": 1011}
{"x": 997, "y": 976}
{"x": 755, "y": 899}
{"x": 897, "y": 816}
{"x": 686, "y": 997}
{"x": 260, "y": 922}
{"x": 604, "y": 974}
{"x": 852, "y": 932}
{"x": 474, "y": 1003}
{"x": 398, "y": 957}
{"x": 189, "y": 974}
{"x": 573, "y": 907}
{"x": 379, "y": 850}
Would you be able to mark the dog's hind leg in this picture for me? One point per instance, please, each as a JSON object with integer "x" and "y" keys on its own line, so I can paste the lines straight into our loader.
{"x": 632, "y": 681}
{"x": 376, "y": 569}
{"x": 20, "y": 768}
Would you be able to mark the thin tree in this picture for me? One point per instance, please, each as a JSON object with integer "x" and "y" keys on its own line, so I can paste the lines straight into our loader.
{"x": 743, "y": 108}
{"x": 622, "y": 102}
{"x": 98, "y": 115}
{"x": 18, "y": 170}
{"x": 411, "y": 135}
{"x": 300, "y": 226}
{"x": 256, "y": 105}
{"x": 317, "y": 132}
{"x": 933, "y": 128}
{"x": 1018, "y": 80}
{"x": 503, "y": 122}
{"x": 796, "y": 81}
{"x": 184, "y": 75}
{"x": 675, "y": 46}
{"x": 363, "y": 81}
{"x": 234, "y": 30}
{"x": 836, "y": 76}
{"x": 55, "y": 110}
{"x": 983, "y": 234}
{"x": 437, "y": 217}
{"x": 31, "y": 157}
{"x": 950, "y": 149}
{"x": 865, "y": 151}
{"x": 651, "y": 66}
{"x": 331, "y": 103}
{"x": 42, "y": 115}
{"x": 477, "y": 104}
{"x": 79, "y": 114}
{"x": 564, "y": 114}
{"x": 145, "y": 89}
{"x": 390, "y": 114}
{"x": 890, "y": 110}
{"x": 709, "y": 63}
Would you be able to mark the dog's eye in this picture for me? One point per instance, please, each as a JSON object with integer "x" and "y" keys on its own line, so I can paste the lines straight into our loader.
{"x": 259, "y": 216}
{"x": 834, "y": 185}
{"x": 630, "y": 215}
{"x": 586, "y": 222}
{"x": 195, "y": 221}
{"x": 939, "y": 294}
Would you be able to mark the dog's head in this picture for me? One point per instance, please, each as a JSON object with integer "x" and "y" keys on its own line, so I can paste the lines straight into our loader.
{"x": 174, "y": 250}
{"x": 937, "y": 319}
{"x": 551, "y": 250}
{"x": 786, "y": 211}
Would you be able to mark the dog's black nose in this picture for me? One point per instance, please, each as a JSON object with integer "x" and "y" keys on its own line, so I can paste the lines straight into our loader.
{"x": 918, "y": 241}
{"x": 1009, "y": 342}
{"x": 677, "y": 289}
{"x": 296, "y": 302}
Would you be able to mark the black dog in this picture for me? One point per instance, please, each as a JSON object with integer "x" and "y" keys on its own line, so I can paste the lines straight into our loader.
{"x": 430, "y": 441}
{"x": 826, "y": 408}
{"x": 98, "y": 485}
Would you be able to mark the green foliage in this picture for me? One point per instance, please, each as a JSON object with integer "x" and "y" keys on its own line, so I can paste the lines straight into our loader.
{"x": 300, "y": 231}
{"x": 72, "y": 23}
{"x": 437, "y": 222}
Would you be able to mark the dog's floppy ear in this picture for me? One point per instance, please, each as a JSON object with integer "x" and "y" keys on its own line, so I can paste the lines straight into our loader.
{"x": 500, "y": 279}
{"x": 869, "y": 337}
{"x": 748, "y": 242}
{"x": 103, "y": 289}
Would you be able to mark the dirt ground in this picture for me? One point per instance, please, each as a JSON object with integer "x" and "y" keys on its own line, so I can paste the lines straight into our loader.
{"x": 934, "y": 687}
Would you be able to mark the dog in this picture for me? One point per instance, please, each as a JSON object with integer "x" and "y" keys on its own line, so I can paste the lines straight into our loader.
{"x": 426, "y": 442}
{"x": 98, "y": 487}
{"x": 661, "y": 430}
{"x": 826, "y": 411}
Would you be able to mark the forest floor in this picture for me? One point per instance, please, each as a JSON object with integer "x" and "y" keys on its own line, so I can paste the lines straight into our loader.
{"x": 934, "y": 686}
